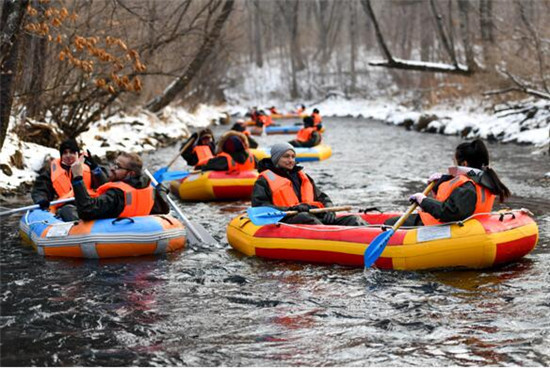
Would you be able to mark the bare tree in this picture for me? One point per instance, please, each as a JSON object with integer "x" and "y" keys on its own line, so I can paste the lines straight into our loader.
{"x": 11, "y": 21}
{"x": 191, "y": 71}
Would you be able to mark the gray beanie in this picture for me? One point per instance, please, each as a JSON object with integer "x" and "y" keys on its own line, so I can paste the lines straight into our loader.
{"x": 278, "y": 150}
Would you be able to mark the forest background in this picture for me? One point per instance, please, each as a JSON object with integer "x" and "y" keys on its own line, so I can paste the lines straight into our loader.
{"x": 65, "y": 65}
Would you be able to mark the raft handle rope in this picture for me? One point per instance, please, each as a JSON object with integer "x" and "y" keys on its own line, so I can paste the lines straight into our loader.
{"x": 369, "y": 209}
{"x": 385, "y": 227}
{"x": 166, "y": 219}
{"x": 121, "y": 219}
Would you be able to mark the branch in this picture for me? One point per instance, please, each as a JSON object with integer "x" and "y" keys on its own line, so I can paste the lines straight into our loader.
{"x": 523, "y": 87}
{"x": 442, "y": 34}
{"x": 424, "y": 66}
{"x": 379, "y": 37}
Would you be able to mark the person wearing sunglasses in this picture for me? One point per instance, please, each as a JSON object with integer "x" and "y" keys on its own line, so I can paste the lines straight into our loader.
{"x": 127, "y": 194}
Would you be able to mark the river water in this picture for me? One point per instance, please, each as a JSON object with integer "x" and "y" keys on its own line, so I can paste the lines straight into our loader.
{"x": 211, "y": 306}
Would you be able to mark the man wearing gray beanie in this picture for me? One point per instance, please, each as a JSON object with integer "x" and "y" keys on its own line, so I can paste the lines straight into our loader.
{"x": 283, "y": 185}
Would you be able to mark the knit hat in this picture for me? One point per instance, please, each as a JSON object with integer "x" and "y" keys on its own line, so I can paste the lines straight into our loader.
{"x": 69, "y": 144}
{"x": 278, "y": 150}
{"x": 233, "y": 144}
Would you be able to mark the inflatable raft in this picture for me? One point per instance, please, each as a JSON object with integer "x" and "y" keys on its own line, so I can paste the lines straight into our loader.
{"x": 288, "y": 116}
{"x": 107, "y": 238}
{"x": 318, "y": 153}
{"x": 479, "y": 242}
{"x": 215, "y": 185}
{"x": 276, "y": 129}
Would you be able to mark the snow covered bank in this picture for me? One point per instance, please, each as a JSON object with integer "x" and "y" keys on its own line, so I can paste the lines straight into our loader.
{"x": 141, "y": 132}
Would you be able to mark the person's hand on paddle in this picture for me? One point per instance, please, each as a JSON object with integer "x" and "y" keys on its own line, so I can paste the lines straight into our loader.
{"x": 417, "y": 198}
{"x": 44, "y": 204}
{"x": 328, "y": 218}
{"x": 302, "y": 207}
{"x": 192, "y": 139}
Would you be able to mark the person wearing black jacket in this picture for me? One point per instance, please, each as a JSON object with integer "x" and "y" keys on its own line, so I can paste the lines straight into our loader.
{"x": 44, "y": 191}
{"x": 112, "y": 201}
{"x": 281, "y": 167}
{"x": 308, "y": 136}
{"x": 205, "y": 137}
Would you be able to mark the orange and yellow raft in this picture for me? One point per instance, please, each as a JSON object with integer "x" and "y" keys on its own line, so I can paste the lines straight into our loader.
{"x": 106, "y": 238}
{"x": 215, "y": 185}
{"x": 479, "y": 242}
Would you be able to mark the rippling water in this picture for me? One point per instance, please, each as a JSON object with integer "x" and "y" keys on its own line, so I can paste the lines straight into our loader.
{"x": 212, "y": 306}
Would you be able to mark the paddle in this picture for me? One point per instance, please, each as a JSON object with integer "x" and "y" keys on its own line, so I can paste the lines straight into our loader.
{"x": 268, "y": 215}
{"x": 174, "y": 175}
{"x": 196, "y": 234}
{"x": 35, "y": 206}
{"x": 376, "y": 247}
{"x": 158, "y": 174}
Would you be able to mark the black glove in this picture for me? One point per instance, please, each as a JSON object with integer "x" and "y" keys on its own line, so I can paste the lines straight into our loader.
{"x": 162, "y": 189}
{"x": 90, "y": 161}
{"x": 302, "y": 207}
{"x": 192, "y": 138}
{"x": 44, "y": 204}
{"x": 328, "y": 218}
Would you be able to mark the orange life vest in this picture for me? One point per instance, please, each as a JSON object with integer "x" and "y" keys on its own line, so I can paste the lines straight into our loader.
{"x": 204, "y": 153}
{"x": 265, "y": 120}
{"x": 233, "y": 165}
{"x": 316, "y": 119}
{"x": 283, "y": 192}
{"x": 484, "y": 203}
{"x": 137, "y": 202}
{"x": 273, "y": 110}
{"x": 61, "y": 180}
{"x": 304, "y": 134}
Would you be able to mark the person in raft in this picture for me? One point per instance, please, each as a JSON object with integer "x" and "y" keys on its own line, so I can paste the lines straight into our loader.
{"x": 308, "y": 136}
{"x": 201, "y": 149}
{"x": 317, "y": 120}
{"x": 284, "y": 185}
{"x": 471, "y": 187}
{"x": 241, "y": 128}
{"x": 127, "y": 194}
{"x": 232, "y": 154}
{"x": 54, "y": 180}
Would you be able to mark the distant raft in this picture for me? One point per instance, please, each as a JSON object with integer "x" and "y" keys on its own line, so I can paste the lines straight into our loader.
{"x": 318, "y": 153}
{"x": 479, "y": 242}
{"x": 288, "y": 116}
{"x": 106, "y": 238}
{"x": 276, "y": 129}
{"x": 215, "y": 185}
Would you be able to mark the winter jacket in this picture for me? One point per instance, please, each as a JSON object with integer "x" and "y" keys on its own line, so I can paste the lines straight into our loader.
{"x": 261, "y": 193}
{"x": 111, "y": 204}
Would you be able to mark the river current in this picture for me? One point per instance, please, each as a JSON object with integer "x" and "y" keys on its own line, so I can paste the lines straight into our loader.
{"x": 211, "y": 306}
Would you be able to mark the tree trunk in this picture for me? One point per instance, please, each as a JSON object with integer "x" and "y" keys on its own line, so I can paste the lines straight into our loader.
{"x": 464, "y": 10}
{"x": 259, "y": 53}
{"x": 192, "y": 70}
{"x": 353, "y": 44}
{"x": 487, "y": 32}
{"x": 13, "y": 12}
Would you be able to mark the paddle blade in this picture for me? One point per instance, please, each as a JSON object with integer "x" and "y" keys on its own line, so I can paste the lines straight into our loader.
{"x": 197, "y": 234}
{"x": 264, "y": 215}
{"x": 158, "y": 174}
{"x": 173, "y": 175}
{"x": 376, "y": 247}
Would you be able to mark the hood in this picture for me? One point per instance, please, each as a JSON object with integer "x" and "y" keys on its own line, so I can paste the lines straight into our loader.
{"x": 478, "y": 176}
{"x": 229, "y": 134}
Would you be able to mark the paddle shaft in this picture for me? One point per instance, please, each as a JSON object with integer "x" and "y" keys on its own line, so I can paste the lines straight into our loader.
{"x": 36, "y": 206}
{"x": 410, "y": 210}
{"x": 191, "y": 141}
{"x": 321, "y": 210}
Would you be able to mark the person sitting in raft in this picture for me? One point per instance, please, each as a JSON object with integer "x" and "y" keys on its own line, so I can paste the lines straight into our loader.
{"x": 241, "y": 128}
{"x": 54, "y": 180}
{"x": 273, "y": 110}
{"x": 233, "y": 154}
{"x": 263, "y": 120}
{"x": 283, "y": 185}
{"x": 470, "y": 188}
{"x": 308, "y": 136}
{"x": 301, "y": 109}
{"x": 202, "y": 150}
{"x": 127, "y": 194}
{"x": 317, "y": 120}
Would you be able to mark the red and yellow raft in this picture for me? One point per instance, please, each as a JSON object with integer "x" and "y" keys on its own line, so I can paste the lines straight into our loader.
{"x": 215, "y": 185}
{"x": 479, "y": 242}
{"x": 106, "y": 238}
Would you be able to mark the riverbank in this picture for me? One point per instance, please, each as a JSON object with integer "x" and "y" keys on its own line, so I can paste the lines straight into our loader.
{"x": 144, "y": 132}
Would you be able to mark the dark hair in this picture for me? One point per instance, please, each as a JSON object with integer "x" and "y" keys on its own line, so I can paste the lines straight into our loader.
{"x": 308, "y": 122}
{"x": 316, "y": 111}
{"x": 238, "y": 127}
{"x": 477, "y": 156}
